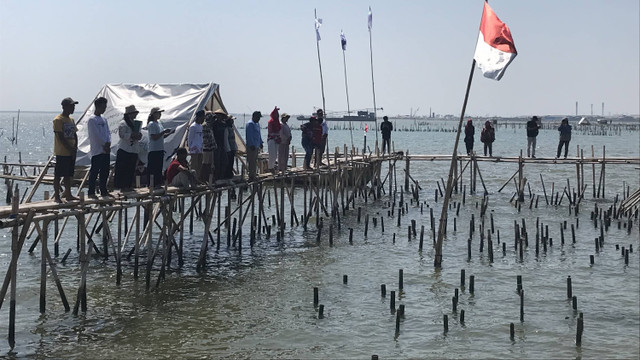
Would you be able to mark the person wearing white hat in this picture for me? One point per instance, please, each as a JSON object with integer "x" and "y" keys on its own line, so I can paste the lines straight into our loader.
{"x": 155, "y": 158}
{"x": 127, "y": 155}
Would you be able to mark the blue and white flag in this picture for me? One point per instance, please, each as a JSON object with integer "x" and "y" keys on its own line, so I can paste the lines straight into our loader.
{"x": 370, "y": 18}
{"x": 318, "y": 24}
{"x": 343, "y": 41}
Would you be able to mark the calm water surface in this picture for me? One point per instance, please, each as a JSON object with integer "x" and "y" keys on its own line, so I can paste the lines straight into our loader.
{"x": 259, "y": 303}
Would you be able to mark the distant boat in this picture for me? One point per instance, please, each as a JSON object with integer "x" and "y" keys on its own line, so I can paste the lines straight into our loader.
{"x": 361, "y": 116}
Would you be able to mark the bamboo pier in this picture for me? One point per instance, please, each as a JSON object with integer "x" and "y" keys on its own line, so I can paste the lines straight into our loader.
{"x": 144, "y": 230}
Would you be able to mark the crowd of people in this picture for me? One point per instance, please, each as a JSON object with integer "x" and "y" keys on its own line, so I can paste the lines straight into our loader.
{"x": 211, "y": 146}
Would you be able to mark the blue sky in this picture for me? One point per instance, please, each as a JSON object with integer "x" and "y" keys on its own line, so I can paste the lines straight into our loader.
{"x": 263, "y": 53}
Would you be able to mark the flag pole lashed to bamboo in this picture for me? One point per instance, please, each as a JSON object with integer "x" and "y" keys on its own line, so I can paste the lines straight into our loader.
{"x": 373, "y": 85}
{"x": 343, "y": 43}
{"x": 318, "y": 23}
{"x": 495, "y": 50}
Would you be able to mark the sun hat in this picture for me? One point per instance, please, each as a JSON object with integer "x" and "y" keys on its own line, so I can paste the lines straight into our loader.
{"x": 130, "y": 109}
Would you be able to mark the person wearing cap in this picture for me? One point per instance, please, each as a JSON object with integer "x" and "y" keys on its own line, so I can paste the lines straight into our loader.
{"x": 285, "y": 141}
{"x": 533, "y": 126}
{"x": 254, "y": 143}
{"x": 127, "y": 155}
{"x": 565, "y": 137}
{"x": 318, "y": 134}
{"x": 100, "y": 150}
{"x": 65, "y": 147}
{"x": 194, "y": 141}
{"x": 273, "y": 138}
{"x": 469, "y": 131}
{"x": 219, "y": 128}
{"x": 209, "y": 145}
{"x": 233, "y": 148}
{"x": 386, "y": 128}
{"x": 155, "y": 158}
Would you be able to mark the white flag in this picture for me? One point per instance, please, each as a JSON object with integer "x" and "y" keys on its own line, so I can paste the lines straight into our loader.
{"x": 318, "y": 23}
{"x": 370, "y": 18}
{"x": 343, "y": 40}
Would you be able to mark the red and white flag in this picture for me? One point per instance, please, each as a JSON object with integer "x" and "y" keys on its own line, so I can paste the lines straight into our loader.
{"x": 495, "y": 49}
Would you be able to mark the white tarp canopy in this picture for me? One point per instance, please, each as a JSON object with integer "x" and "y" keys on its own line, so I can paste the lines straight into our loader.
{"x": 180, "y": 102}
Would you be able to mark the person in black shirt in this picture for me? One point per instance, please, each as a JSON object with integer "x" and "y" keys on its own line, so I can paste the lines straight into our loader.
{"x": 386, "y": 127}
{"x": 532, "y": 131}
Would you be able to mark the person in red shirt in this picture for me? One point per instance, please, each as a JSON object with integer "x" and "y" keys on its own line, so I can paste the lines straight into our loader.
{"x": 178, "y": 172}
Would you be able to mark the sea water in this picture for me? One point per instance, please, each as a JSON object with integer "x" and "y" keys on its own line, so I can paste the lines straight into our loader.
{"x": 258, "y": 303}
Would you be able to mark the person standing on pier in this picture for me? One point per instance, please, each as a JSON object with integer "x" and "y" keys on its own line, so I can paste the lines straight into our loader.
{"x": 533, "y": 126}
{"x": 194, "y": 141}
{"x": 65, "y": 148}
{"x": 100, "y": 142}
{"x": 254, "y": 144}
{"x": 488, "y": 136}
{"x": 209, "y": 145}
{"x": 565, "y": 137}
{"x": 155, "y": 158}
{"x": 127, "y": 155}
{"x": 220, "y": 153}
{"x": 386, "y": 127}
{"x": 233, "y": 148}
{"x": 469, "y": 132}
{"x": 285, "y": 141}
{"x": 273, "y": 138}
{"x": 307, "y": 141}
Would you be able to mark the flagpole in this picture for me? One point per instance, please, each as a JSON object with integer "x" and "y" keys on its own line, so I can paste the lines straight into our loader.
{"x": 320, "y": 65}
{"x": 373, "y": 86}
{"x": 346, "y": 87}
{"x": 445, "y": 203}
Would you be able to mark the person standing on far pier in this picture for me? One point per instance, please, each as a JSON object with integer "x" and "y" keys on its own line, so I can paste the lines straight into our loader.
{"x": 254, "y": 143}
{"x": 155, "y": 158}
{"x": 273, "y": 138}
{"x": 194, "y": 141}
{"x": 565, "y": 137}
{"x": 307, "y": 141}
{"x": 488, "y": 136}
{"x": 65, "y": 148}
{"x": 322, "y": 144}
{"x": 469, "y": 131}
{"x": 127, "y": 155}
{"x": 285, "y": 141}
{"x": 533, "y": 126}
{"x": 233, "y": 147}
{"x": 386, "y": 127}
{"x": 219, "y": 127}
{"x": 100, "y": 141}
{"x": 209, "y": 145}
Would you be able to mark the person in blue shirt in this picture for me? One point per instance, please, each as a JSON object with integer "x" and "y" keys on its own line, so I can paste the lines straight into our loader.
{"x": 254, "y": 143}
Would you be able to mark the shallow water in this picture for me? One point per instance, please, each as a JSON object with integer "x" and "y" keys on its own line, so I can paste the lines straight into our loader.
{"x": 259, "y": 303}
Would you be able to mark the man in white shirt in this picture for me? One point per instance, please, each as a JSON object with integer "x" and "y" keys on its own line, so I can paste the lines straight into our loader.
{"x": 100, "y": 141}
{"x": 194, "y": 141}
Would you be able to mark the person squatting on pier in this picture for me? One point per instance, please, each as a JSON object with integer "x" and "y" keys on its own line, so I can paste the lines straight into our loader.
{"x": 488, "y": 136}
{"x": 469, "y": 131}
{"x": 194, "y": 142}
{"x": 307, "y": 141}
{"x": 565, "y": 137}
{"x": 285, "y": 141}
{"x": 65, "y": 148}
{"x": 385, "y": 128}
{"x": 127, "y": 155}
{"x": 254, "y": 144}
{"x": 209, "y": 145}
{"x": 273, "y": 138}
{"x": 533, "y": 127}
{"x": 178, "y": 172}
{"x": 100, "y": 148}
{"x": 155, "y": 157}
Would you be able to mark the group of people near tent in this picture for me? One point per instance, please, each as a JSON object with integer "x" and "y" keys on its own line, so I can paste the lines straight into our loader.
{"x": 488, "y": 136}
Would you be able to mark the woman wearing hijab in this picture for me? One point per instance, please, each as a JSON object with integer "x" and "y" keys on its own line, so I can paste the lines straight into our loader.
{"x": 469, "y": 131}
{"x": 127, "y": 155}
{"x": 273, "y": 138}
